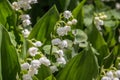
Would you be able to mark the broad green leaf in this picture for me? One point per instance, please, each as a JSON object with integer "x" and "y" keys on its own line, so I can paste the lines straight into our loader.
{"x": 63, "y": 4}
{"x": 9, "y": 59}
{"x": 88, "y": 14}
{"x": 45, "y": 26}
{"x": 51, "y": 77}
{"x": 115, "y": 14}
{"x": 83, "y": 66}
{"x": 99, "y": 4}
{"x": 73, "y": 4}
{"x": 109, "y": 23}
{"x": 6, "y": 13}
{"x": 98, "y": 42}
{"x": 78, "y": 14}
{"x": 80, "y": 38}
{"x": 43, "y": 72}
{"x": 47, "y": 49}
{"x": 80, "y": 35}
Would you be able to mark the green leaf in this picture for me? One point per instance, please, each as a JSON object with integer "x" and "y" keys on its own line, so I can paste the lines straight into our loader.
{"x": 77, "y": 67}
{"x": 6, "y": 13}
{"x": 64, "y": 4}
{"x": 98, "y": 42}
{"x": 78, "y": 14}
{"x": 99, "y": 4}
{"x": 43, "y": 72}
{"x": 47, "y": 49}
{"x": 115, "y": 14}
{"x": 51, "y": 77}
{"x": 45, "y": 26}
{"x": 9, "y": 59}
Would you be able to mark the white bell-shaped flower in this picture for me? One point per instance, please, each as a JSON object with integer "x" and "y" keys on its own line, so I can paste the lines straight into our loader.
{"x": 25, "y": 33}
{"x": 26, "y": 77}
{"x": 45, "y": 61}
{"x": 35, "y": 63}
{"x": 110, "y": 74}
{"x": 53, "y": 69}
{"x": 61, "y": 60}
{"x": 15, "y": 6}
{"x": 60, "y": 53}
{"x": 67, "y": 14}
{"x": 38, "y": 43}
{"x": 25, "y": 66}
{"x": 56, "y": 41}
{"x": 74, "y": 21}
{"x": 33, "y": 51}
{"x": 24, "y": 17}
{"x": 26, "y": 22}
{"x": 64, "y": 44}
{"x": 32, "y": 71}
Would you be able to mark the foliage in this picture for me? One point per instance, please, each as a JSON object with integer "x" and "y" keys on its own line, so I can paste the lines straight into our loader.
{"x": 50, "y": 45}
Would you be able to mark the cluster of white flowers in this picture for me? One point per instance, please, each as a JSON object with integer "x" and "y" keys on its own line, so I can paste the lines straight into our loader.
{"x": 112, "y": 75}
{"x": 98, "y": 20}
{"x": 25, "y": 22}
{"x": 32, "y": 68}
{"x": 59, "y": 55}
{"x": 62, "y": 31}
{"x": 60, "y": 43}
{"x": 23, "y": 4}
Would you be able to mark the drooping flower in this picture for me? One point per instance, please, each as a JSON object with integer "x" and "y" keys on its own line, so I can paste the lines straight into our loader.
{"x": 110, "y": 74}
{"x": 15, "y": 6}
{"x": 63, "y": 44}
{"x": 27, "y": 77}
{"x": 33, "y": 51}
{"x": 60, "y": 53}
{"x": 45, "y": 61}
{"x": 67, "y": 14}
{"x": 24, "y": 4}
{"x": 24, "y": 17}
{"x": 74, "y": 21}
{"x": 56, "y": 41}
{"x": 61, "y": 31}
{"x": 61, "y": 60}
{"x": 38, "y": 44}
{"x": 25, "y": 66}
{"x": 35, "y": 63}
{"x": 69, "y": 23}
{"x": 32, "y": 71}
{"x": 26, "y": 22}
{"x": 53, "y": 69}
{"x": 25, "y": 33}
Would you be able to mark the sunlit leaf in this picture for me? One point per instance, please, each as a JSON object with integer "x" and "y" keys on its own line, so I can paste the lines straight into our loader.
{"x": 98, "y": 42}
{"x": 45, "y": 26}
{"x": 78, "y": 14}
{"x": 9, "y": 59}
{"x": 43, "y": 72}
{"x": 77, "y": 68}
